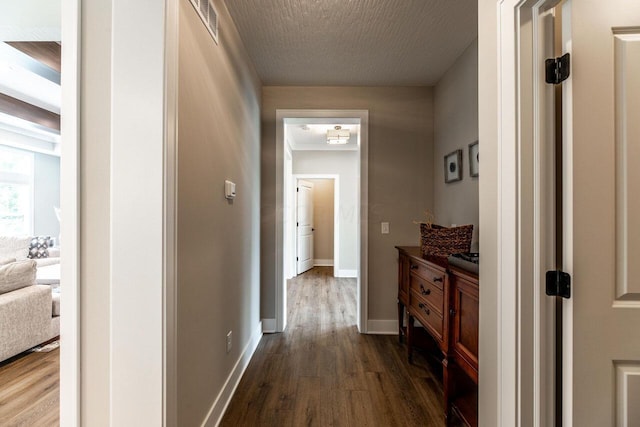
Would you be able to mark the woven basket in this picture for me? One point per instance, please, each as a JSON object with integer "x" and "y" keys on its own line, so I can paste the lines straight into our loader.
{"x": 442, "y": 241}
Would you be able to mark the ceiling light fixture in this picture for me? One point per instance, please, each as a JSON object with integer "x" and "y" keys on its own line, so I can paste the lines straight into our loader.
{"x": 337, "y": 136}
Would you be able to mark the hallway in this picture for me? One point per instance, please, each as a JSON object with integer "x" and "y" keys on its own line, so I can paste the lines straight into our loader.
{"x": 321, "y": 371}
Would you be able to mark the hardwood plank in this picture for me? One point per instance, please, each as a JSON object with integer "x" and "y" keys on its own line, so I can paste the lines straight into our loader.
{"x": 29, "y": 390}
{"x": 321, "y": 371}
{"x": 312, "y": 406}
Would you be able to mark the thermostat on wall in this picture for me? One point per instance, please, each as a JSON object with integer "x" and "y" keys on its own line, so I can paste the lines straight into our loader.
{"x": 229, "y": 189}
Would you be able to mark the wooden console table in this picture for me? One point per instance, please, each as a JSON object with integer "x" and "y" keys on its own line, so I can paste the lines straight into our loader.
{"x": 444, "y": 299}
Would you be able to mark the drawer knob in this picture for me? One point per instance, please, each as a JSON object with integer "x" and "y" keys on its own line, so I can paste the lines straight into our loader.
{"x": 414, "y": 267}
{"x": 424, "y": 291}
{"x": 425, "y": 309}
{"x": 437, "y": 279}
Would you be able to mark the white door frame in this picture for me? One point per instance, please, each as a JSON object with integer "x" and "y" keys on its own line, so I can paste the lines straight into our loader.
{"x": 289, "y": 248}
{"x": 336, "y": 211}
{"x": 157, "y": 383}
{"x": 522, "y": 370}
{"x": 170, "y": 218}
{"x": 70, "y": 215}
{"x": 362, "y": 210}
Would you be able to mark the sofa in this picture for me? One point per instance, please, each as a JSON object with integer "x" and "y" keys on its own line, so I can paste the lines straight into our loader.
{"x": 29, "y": 313}
{"x": 28, "y": 247}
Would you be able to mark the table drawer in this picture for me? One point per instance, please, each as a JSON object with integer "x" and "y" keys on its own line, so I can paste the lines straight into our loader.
{"x": 431, "y": 275}
{"x": 428, "y": 291}
{"x": 427, "y": 315}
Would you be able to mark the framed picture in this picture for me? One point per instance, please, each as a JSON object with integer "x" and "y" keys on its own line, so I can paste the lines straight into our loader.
{"x": 474, "y": 159}
{"x": 453, "y": 166}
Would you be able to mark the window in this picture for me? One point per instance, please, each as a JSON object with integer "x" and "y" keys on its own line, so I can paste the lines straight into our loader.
{"x": 16, "y": 192}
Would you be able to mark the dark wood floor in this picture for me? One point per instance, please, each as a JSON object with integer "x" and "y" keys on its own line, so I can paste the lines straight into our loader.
{"x": 322, "y": 372}
{"x": 29, "y": 390}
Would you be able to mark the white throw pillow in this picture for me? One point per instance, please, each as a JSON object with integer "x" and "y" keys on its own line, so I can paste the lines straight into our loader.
{"x": 17, "y": 275}
{"x": 14, "y": 247}
{"x": 54, "y": 252}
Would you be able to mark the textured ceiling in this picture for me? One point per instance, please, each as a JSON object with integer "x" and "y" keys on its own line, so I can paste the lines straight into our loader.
{"x": 354, "y": 42}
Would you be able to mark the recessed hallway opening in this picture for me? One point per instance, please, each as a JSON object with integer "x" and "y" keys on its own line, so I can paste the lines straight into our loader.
{"x": 322, "y": 371}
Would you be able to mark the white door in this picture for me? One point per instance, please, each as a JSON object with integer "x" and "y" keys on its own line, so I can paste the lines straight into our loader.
{"x": 602, "y": 213}
{"x": 304, "y": 226}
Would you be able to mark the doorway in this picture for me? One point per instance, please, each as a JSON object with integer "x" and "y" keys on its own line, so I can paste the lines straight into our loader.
{"x": 326, "y": 222}
{"x": 524, "y": 248}
{"x": 284, "y": 167}
{"x": 45, "y": 39}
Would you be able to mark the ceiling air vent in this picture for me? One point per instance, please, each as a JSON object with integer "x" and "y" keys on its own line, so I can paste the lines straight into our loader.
{"x": 208, "y": 15}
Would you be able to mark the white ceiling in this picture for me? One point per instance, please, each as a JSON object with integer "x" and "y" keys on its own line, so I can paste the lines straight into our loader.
{"x": 311, "y": 134}
{"x": 354, "y": 42}
{"x": 30, "y": 20}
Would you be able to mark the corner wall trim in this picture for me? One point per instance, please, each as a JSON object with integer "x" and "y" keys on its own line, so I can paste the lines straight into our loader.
{"x": 382, "y": 327}
{"x": 323, "y": 263}
{"x": 214, "y": 416}
{"x": 268, "y": 326}
{"x": 347, "y": 273}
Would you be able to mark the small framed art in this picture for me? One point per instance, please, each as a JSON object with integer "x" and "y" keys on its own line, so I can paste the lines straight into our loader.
{"x": 474, "y": 159}
{"x": 453, "y": 166}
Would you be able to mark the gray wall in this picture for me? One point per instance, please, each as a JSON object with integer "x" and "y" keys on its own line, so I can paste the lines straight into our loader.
{"x": 455, "y": 127}
{"x": 323, "y": 210}
{"x": 344, "y": 164}
{"x": 400, "y": 176}
{"x": 46, "y": 186}
{"x": 218, "y": 241}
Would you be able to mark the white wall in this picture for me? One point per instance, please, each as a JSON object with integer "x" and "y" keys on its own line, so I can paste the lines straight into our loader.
{"x": 95, "y": 228}
{"x": 345, "y": 165}
{"x": 121, "y": 65}
{"x": 455, "y": 127}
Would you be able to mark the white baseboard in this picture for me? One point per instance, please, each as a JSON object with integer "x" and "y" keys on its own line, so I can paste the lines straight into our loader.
{"x": 323, "y": 262}
{"x": 382, "y": 327}
{"x": 214, "y": 416}
{"x": 268, "y": 326}
{"x": 347, "y": 273}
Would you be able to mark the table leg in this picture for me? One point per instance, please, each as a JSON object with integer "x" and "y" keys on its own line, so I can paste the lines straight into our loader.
{"x": 400, "y": 321}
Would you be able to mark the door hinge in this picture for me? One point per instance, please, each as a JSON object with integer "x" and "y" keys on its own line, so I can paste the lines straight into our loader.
{"x": 297, "y": 258}
{"x": 557, "y": 70}
{"x": 558, "y": 284}
{"x": 297, "y": 189}
{"x": 297, "y": 224}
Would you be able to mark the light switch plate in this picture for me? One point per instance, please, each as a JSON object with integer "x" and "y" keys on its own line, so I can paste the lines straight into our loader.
{"x": 229, "y": 189}
{"x": 384, "y": 227}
